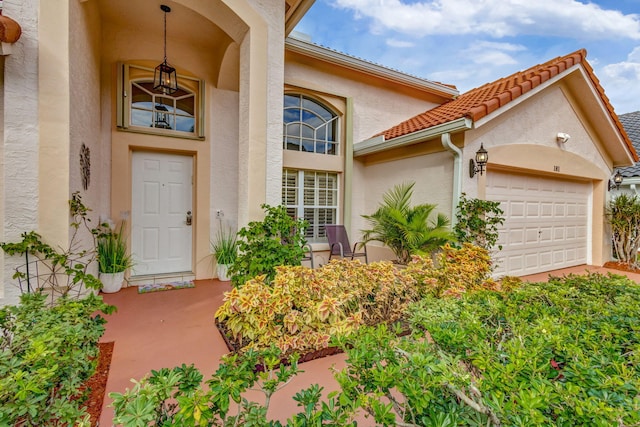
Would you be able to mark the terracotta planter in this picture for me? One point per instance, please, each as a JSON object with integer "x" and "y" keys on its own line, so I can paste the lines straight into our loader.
{"x": 111, "y": 282}
{"x": 222, "y": 270}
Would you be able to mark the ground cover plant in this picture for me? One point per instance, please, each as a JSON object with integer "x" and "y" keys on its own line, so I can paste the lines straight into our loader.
{"x": 563, "y": 353}
{"x": 46, "y": 354}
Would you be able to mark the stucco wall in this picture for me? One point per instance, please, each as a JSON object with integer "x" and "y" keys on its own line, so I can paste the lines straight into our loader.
{"x": 20, "y": 142}
{"x": 376, "y": 106}
{"x": 432, "y": 174}
{"x": 537, "y": 121}
{"x": 85, "y": 112}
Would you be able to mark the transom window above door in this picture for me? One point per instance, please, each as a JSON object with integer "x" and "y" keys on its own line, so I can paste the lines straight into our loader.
{"x": 140, "y": 108}
{"x": 309, "y": 126}
{"x": 155, "y": 109}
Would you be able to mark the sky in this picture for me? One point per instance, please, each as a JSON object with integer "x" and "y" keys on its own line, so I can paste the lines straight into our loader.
{"x": 468, "y": 43}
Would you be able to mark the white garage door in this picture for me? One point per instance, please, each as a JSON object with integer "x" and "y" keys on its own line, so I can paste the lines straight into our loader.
{"x": 546, "y": 222}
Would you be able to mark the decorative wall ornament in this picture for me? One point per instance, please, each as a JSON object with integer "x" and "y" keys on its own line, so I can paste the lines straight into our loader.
{"x": 85, "y": 166}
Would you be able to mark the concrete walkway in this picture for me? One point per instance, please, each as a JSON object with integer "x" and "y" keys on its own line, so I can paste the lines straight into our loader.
{"x": 167, "y": 329}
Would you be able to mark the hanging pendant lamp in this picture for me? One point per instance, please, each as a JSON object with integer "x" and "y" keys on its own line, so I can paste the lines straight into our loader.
{"x": 164, "y": 78}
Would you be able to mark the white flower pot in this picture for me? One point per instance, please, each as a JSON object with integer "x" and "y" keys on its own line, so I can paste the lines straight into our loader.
{"x": 111, "y": 282}
{"x": 222, "y": 270}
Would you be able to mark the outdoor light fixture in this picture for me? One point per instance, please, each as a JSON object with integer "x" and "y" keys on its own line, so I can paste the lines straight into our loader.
{"x": 164, "y": 78}
{"x": 617, "y": 180}
{"x": 477, "y": 166}
{"x": 162, "y": 117}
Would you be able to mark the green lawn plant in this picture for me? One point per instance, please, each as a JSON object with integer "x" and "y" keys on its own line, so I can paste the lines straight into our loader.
{"x": 112, "y": 250}
{"x": 623, "y": 213}
{"x": 46, "y": 353}
{"x": 264, "y": 245}
{"x": 407, "y": 230}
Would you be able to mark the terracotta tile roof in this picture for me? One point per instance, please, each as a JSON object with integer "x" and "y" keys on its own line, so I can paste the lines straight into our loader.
{"x": 479, "y": 102}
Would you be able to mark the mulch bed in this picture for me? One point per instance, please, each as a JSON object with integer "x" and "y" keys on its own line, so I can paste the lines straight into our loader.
{"x": 97, "y": 384}
{"x": 620, "y": 266}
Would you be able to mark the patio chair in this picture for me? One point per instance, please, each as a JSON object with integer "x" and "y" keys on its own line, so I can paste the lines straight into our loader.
{"x": 339, "y": 244}
{"x": 308, "y": 253}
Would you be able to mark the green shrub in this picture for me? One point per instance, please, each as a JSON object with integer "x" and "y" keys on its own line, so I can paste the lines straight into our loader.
{"x": 63, "y": 272}
{"x": 264, "y": 245}
{"x": 46, "y": 353}
{"x": 477, "y": 222}
{"x": 176, "y": 398}
{"x": 563, "y": 353}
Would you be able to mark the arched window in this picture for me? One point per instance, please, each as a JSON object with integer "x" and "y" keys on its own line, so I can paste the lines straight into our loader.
{"x": 312, "y": 163}
{"x": 309, "y": 126}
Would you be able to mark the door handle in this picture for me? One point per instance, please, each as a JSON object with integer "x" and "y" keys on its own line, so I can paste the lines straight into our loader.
{"x": 189, "y": 218}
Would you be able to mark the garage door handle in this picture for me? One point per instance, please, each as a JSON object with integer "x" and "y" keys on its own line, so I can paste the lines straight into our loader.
{"x": 189, "y": 218}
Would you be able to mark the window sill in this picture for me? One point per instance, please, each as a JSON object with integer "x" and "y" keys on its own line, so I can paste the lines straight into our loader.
{"x": 170, "y": 134}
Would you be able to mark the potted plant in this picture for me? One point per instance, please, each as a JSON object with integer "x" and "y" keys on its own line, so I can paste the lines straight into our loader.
{"x": 225, "y": 251}
{"x": 113, "y": 259}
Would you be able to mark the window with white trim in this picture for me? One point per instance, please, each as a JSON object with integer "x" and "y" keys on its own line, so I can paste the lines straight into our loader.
{"x": 140, "y": 108}
{"x": 311, "y": 195}
{"x": 309, "y": 126}
{"x": 313, "y": 160}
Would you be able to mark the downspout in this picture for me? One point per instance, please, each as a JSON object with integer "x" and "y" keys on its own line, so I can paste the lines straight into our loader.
{"x": 457, "y": 174}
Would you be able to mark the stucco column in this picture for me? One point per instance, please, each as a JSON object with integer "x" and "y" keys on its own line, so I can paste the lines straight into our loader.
{"x": 54, "y": 121}
{"x": 260, "y": 133}
{"x": 19, "y": 154}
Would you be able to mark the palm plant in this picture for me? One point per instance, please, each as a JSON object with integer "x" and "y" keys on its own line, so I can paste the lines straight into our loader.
{"x": 406, "y": 229}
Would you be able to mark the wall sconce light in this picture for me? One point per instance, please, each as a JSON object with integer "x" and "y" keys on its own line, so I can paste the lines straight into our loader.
{"x": 477, "y": 166}
{"x": 615, "y": 183}
{"x": 164, "y": 78}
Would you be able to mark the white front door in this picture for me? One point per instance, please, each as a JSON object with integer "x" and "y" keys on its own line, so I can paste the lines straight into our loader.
{"x": 161, "y": 205}
{"x": 546, "y": 222}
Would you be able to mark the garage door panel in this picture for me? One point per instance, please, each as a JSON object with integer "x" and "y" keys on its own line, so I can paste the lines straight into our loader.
{"x": 546, "y": 222}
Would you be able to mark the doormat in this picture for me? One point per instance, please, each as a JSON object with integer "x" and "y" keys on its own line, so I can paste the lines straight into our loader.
{"x": 157, "y": 287}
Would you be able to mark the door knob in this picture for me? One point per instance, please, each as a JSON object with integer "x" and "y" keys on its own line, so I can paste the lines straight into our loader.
{"x": 189, "y": 217}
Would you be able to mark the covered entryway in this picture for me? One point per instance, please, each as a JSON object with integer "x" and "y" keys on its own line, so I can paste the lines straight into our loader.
{"x": 547, "y": 222}
{"x": 162, "y": 213}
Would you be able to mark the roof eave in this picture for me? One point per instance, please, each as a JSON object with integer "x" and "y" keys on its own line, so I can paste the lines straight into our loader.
{"x": 297, "y": 9}
{"x": 378, "y": 144}
{"x": 349, "y": 62}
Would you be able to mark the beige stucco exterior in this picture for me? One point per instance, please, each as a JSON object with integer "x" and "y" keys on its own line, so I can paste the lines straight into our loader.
{"x": 64, "y": 82}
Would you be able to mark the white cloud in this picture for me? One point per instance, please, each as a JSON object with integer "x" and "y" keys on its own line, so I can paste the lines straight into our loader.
{"x": 399, "y": 43}
{"x": 621, "y": 82}
{"x": 492, "y": 53}
{"x": 497, "y": 18}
